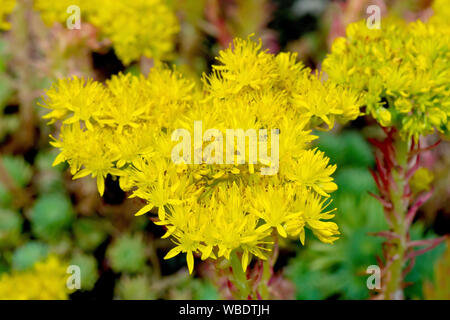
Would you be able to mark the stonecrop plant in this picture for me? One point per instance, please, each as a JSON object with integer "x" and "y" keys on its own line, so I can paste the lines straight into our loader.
{"x": 228, "y": 213}
{"x": 46, "y": 280}
{"x": 150, "y": 33}
{"x": 402, "y": 72}
{"x": 6, "y": 8}
{"x": 441, "y": 14}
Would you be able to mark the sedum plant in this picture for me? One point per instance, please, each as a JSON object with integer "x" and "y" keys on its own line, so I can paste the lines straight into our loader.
{"x": 5, "y": 9}
{"x": 89, "y": 233}
{"x": 51, "y": 216}
{"x": 25, "y": 256}
{"x": 46, "y": 280}
{"x": 151, "y": 32}
{"x": 127, "y": 254}
{"x": 226, "y": 213}
{"x": 10, "y": 228}
{"x": 89, "y": 269}
{"x": 401, "y": 69}
{"x": 402, "y": 72}
{"x": 18, "y": 169}
{"x": 19, "y": 173}
{"x": 134, "y": 288}
{"x": 441, "y": 14}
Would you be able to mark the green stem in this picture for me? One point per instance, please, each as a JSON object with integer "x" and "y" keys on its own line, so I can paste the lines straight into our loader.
{"x": 396, "y": 252}
{"x": 239, "y": 277}
{"x": 263, "y": 288}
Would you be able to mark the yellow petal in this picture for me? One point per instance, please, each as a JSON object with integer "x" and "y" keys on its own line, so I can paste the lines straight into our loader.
{"x": 59, "y": 158}
{"x": 190, "y": 261}
{"x": 101, "y": 184}
{"x": 161, "y": 213}
{"x": 81, "y": 174}
{"x": 281, "y": 231}
{"x": 144, "y": 210}
{"x": 206, "y": 252}
{"x": 302, "y": 236}
{"x": 245, "y": 260}
{"x": 172, "y": 253}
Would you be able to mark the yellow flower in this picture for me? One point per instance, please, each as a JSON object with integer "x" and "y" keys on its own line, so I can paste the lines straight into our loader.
{"x": 211, "y": 209}
{"x": 47, "y": 280}
{"x": 6, "y": 8}
{"x": 135, "y": 27}
{"x": 401, "y": 72}
{"x": 313, "y": 171}
{"x": 441, "y": 14}
{"x": 98, "y": 159}
{"x": 69, "y": 144}
{"x": 421, "y": 180}
{"x": 73, "y": 100}
{"x": 243, "y": 67}
{"x": 56, "y": 11}
{"x": 273, "y": 206}
{"x": 158, "y": 195}
{"x": 310, "y": 208}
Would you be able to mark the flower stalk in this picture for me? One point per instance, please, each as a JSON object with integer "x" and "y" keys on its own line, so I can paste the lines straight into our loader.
{"x": 397, "y": 247}
{"x": 239, "y": 278}
{"x": 397, "y": 161}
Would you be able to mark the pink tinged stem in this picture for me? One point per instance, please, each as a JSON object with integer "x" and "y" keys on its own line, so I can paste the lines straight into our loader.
{"x": 419, "y": 150}
{"x": 413, "y": 210}
{"x": 409, "y": 267}
{"x": 411, "y": 171}
{"x": 384, "y": 202}
{"x": 433, "y": 243}
{"x": 386, "y": 234}
{"x": 258, "y": 295}
{"x": 426, "y": 242}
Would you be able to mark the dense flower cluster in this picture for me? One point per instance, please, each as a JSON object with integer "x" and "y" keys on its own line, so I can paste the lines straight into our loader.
{"x": 403, "y": 71}
{"x": 441, "y": 14}
{"x": 208, "y": 208}
{"x": 45, "y": 281}
{"x": 6, "y": 7}
{"x": 149, "y": 33}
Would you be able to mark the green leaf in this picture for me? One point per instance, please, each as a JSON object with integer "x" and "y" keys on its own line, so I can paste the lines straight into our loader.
{"x": 19, "y": 170}
{"x": 27, "y": 255}
{"x": 10, "y": 228}
{"x": 127, "y": 254}
{"x": 88, "y": 268}
{"x": 51, "y": 215}
{"x": 89, "y": 233}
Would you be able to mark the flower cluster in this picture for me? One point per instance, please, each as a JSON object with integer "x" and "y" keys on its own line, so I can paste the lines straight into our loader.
{"x": 45, "y": 281}
{"x": 207, "y": 208}
{"x": 149, "y": 33}
{"x": 402, "y": 70}
{"x": 6, "y": 8}
{"x": 441, "y": 14}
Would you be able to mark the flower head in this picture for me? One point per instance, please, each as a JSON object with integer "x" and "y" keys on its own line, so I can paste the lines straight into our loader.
{"x": 401, "y": 71}
{"x": 46, "y": 280}
{"x": 135, "y": 27}
{"x": 211, "y": 209}
{"x": 5, "y": 9}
